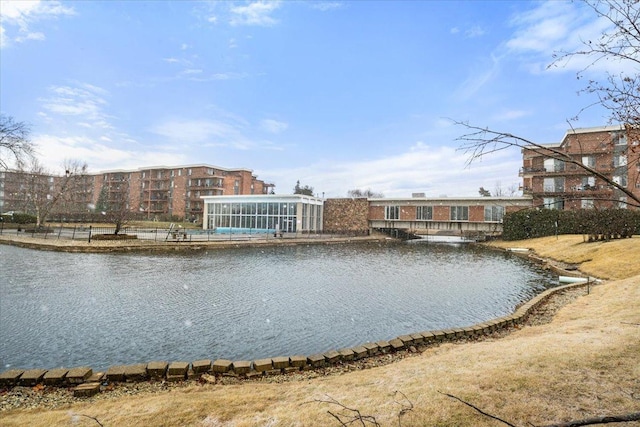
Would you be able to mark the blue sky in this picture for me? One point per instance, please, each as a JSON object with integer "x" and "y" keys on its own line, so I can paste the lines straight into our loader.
{"x": 339, "y": 95}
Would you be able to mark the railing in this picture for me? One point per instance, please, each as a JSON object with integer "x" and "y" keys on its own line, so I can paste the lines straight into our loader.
{"x": 175, "y": 235}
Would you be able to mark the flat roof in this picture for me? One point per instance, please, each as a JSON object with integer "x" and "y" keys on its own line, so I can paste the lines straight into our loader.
{"x": 453, "y": 200}
{"x": 197, "y": 165}
{"x": 263, "y": 197}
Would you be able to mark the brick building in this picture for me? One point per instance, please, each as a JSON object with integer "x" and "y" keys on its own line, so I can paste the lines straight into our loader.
{"x": 421, "y": 215}
{"x": 175, "y": 191}
{"x": 614, "y": 151}
{"x": 152, "y": 192}
{"x": 22, "y": 191}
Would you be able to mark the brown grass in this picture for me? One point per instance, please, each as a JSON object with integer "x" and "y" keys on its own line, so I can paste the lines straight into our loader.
{"x": 615, "y": 259}
{"x": 584, "y": 363}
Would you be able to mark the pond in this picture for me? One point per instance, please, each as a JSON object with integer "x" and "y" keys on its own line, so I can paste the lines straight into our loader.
{"x": 64, "y": 309}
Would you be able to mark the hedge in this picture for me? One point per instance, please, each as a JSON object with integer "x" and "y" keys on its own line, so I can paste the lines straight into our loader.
{"x": 597, "y": 224}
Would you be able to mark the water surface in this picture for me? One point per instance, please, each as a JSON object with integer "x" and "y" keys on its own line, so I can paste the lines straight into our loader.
{"x": 62, "y": 309}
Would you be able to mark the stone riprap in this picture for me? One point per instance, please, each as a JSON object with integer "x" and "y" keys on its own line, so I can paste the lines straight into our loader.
{"x": 87, "y": 383}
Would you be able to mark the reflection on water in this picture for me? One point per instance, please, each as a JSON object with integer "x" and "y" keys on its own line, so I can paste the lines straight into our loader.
{"x": 61, "y": 309}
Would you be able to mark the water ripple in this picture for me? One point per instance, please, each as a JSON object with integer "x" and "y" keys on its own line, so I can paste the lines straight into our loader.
{"x": 59, "y": 309}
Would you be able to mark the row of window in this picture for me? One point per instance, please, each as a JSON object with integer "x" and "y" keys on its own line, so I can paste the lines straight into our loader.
{"x": 557, "y": 184}
{"x": 556, "y": 165}
{"x": 558, "y": 203}
{"x": 456, "y": 213}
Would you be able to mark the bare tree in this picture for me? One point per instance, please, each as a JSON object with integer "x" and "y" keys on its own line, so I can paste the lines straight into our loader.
{"x": 619, "y": 93}
{"x": 113, "y": 201}
{"x": 480, "y": 142}
{"x": 42, "y": 191}
{"x": 500, "y": 191}
{"x": 14, "y": 140}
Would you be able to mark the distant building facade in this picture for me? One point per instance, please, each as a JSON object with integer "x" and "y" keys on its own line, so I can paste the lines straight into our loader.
{"x": 152, "y": 193}
{"x": 611, "y": 150}
{"x": 456, "y": 215}
{"x": 22, "y": 191}
{"x": 160, "y": 192}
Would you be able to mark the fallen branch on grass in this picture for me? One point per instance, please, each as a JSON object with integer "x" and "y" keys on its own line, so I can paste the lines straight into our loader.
{"x": 348, "y": 415}
{"x": 575, "y": 423}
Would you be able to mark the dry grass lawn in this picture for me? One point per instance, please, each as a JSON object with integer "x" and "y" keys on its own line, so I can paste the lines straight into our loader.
{"x": 584, "y": 363}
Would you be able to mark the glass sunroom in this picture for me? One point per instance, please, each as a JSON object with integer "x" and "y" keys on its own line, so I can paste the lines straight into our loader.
{"x": 266, "y": 213}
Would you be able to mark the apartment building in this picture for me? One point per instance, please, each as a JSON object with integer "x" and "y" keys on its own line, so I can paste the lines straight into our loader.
{"x": 613, "y": 151}
{"x": 152, "y": 192}
{"x": 27, "y": 192}
{"x": 175, "y": 191}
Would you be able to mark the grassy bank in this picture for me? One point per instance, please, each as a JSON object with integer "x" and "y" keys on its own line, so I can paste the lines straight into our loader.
{"x": 583, "y": 363}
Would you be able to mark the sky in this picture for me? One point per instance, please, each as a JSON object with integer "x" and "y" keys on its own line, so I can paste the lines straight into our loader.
{"x": 338, "y": 95}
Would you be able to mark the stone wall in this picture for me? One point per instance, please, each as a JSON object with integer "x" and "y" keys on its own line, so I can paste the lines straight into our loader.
{"x": 346, "y": 216}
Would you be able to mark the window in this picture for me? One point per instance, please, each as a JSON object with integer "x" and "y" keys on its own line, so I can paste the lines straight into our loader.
{"x": 622, "y": 202}
{"x": 392, "y": 212}
{"x": 553, "y": 165}
{"x": 619, "y": 138}
{"x": 588, "y": 182}
{"x": 589, "y": 161}
{"x": 459, "y": 213}
{"x": 586, "y": 203}
{"x": 553, "y": 203}
{"x": 620, "y": 180}
{"x": 493, "y": 213}
{"x": 424, "y": 212}
{"x": 553, "y": 185}
{"x": 619, "y": 160}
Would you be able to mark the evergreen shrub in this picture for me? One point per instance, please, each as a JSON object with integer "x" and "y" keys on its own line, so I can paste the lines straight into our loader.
{"x": 598, "y": 224}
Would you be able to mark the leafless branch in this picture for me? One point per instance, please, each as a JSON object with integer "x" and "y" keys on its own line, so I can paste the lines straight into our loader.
{"x": 607, "y": 419}
{"x": 477, "y": 409}
{"x": 348, "y": 416}
{"x": 481, "y": 141}
{"x": 90, "y": 417}
{"x": 14, "y": 139}
{"x": 623, "y": 418}
{"x": 405, "y": 404}
{"x": 620, "y": 92}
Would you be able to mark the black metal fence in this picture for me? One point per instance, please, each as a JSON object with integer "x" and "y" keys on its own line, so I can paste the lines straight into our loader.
{"x": 91, "y": 233}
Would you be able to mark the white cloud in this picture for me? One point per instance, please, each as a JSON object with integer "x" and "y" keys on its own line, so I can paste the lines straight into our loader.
{"x": 31, "y": 36}
{"x": 475, "y": 31}
{"x": 477, "y": 80}
{"x": 325, "y": 6}
{"x": 434, "y": 170}
{"x": 554, "y": 27}
{"x": 256, "y": 13}
{"x": 83, "y": 100}
{"x": 511, "y": 115}
{"x": 273, "y": 126}
{"x": 23, "y": 15}
{"x": 54, "y": 150}
{"x": 227, "y": 131}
